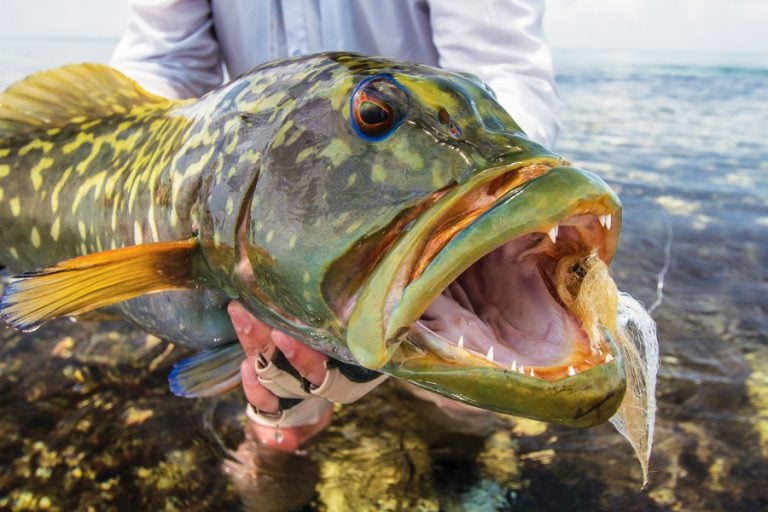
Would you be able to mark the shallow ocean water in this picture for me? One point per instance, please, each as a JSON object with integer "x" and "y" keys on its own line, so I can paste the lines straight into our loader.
{"x": 86, "y": 420}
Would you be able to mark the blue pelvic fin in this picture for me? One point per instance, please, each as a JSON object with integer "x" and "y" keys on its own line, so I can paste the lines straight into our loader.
{"x": 207, "y": 373}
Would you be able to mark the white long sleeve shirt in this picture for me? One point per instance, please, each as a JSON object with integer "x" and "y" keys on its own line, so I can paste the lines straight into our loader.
{"x": 177, "y": 48}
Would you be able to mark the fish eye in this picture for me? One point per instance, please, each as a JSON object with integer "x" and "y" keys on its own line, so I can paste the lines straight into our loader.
{"x": 378, "y": 106}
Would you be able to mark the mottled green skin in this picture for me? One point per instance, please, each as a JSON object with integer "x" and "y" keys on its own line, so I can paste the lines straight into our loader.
{"x": 274, "y": 154}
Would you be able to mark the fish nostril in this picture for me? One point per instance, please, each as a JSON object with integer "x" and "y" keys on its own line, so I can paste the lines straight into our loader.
{"x": 450, "y": 126}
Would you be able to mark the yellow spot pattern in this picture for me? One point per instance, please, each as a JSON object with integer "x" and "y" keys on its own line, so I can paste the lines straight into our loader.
{"x": 337, "y": 152}
{"x": 56, "y": 229}
{"x": 137, "y": 237}
{"x": 80, "y": 139}
{"x": 57, "y": 189}
{"x": 94, "y": 182}
{"x": 378, "y": 173}
{"x": 34, "y": 237}
{"x": 280, "y": 137}
{"x": 36, "y": 144}
{"x": 15, "y": 205}
{"x": 304, "y": 154}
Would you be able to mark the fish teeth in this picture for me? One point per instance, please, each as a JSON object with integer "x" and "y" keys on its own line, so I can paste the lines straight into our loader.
{"x": 521, "y": 369}
{"x": 608, "y": 358}
{"x": 514, "y": 366}
{"x": 552, "y": 233}
{"x": 489, "y": 356}
{"x": 605, "y": 220}
{"x": 531, "y": 373}
{"x": 461, "y": 341}
{"x": 571, "y": 371}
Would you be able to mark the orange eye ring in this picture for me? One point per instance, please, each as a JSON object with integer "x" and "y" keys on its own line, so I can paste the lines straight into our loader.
{"x": 377, "y": 107}
{"x": 373, "y": 118}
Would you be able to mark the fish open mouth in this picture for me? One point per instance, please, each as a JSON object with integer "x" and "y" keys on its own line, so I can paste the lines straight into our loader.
{"x": 476, "y": 300}
{"x": 505, "y": 309}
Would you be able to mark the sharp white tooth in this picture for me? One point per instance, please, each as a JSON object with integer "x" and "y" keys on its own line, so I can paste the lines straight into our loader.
{"x": 608, "y": 221}
{"x": 461, "y": 341}
{"x": 608, "y": 358}
{"x": 571, "y": 371}
{"x": 531, "y": 373}
{"x": 553, "y": 234}
{"x": 489, "y": 356}
{"x": 601, "y": 218}
{"x": 521, "y": 369}
{"x": 514, "y": 366}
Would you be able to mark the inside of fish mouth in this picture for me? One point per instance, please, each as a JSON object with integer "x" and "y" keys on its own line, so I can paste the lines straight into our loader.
{"x": 505, "y": 307}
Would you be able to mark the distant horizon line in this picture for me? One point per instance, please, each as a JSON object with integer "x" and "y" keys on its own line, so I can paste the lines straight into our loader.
{"x": 115, "y": 39}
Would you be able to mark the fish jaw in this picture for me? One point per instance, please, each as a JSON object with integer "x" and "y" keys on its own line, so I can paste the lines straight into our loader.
{"x": 585, "y": 399}
{"x": 403, "y": 323}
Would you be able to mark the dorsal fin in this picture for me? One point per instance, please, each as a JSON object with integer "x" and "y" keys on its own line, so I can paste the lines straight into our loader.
{"x": 73, "y": 93}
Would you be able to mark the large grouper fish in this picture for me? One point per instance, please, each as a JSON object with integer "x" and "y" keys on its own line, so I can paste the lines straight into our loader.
{"x": 391, "y": 215}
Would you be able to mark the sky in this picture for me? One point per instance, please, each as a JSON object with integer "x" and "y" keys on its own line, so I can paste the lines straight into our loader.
{"x": 688, "y": 25}
{"x": 693, "y": 25}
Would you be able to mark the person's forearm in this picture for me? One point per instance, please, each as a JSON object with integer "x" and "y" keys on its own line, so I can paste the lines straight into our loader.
{"x": 169, "y": 48}
{"x": 503, "y": 44}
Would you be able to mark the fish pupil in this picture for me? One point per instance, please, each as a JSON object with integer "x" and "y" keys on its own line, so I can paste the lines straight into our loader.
{"x": 371, "y": 113}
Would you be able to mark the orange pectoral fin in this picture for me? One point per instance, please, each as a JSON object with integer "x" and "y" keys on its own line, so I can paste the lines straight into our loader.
{"x": 96, "y": 280}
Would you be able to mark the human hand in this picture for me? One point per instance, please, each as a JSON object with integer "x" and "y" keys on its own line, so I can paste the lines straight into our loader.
{"x": 257, "y": 338}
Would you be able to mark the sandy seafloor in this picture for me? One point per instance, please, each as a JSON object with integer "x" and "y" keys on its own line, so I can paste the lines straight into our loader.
{"x": 87, "y": 422}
